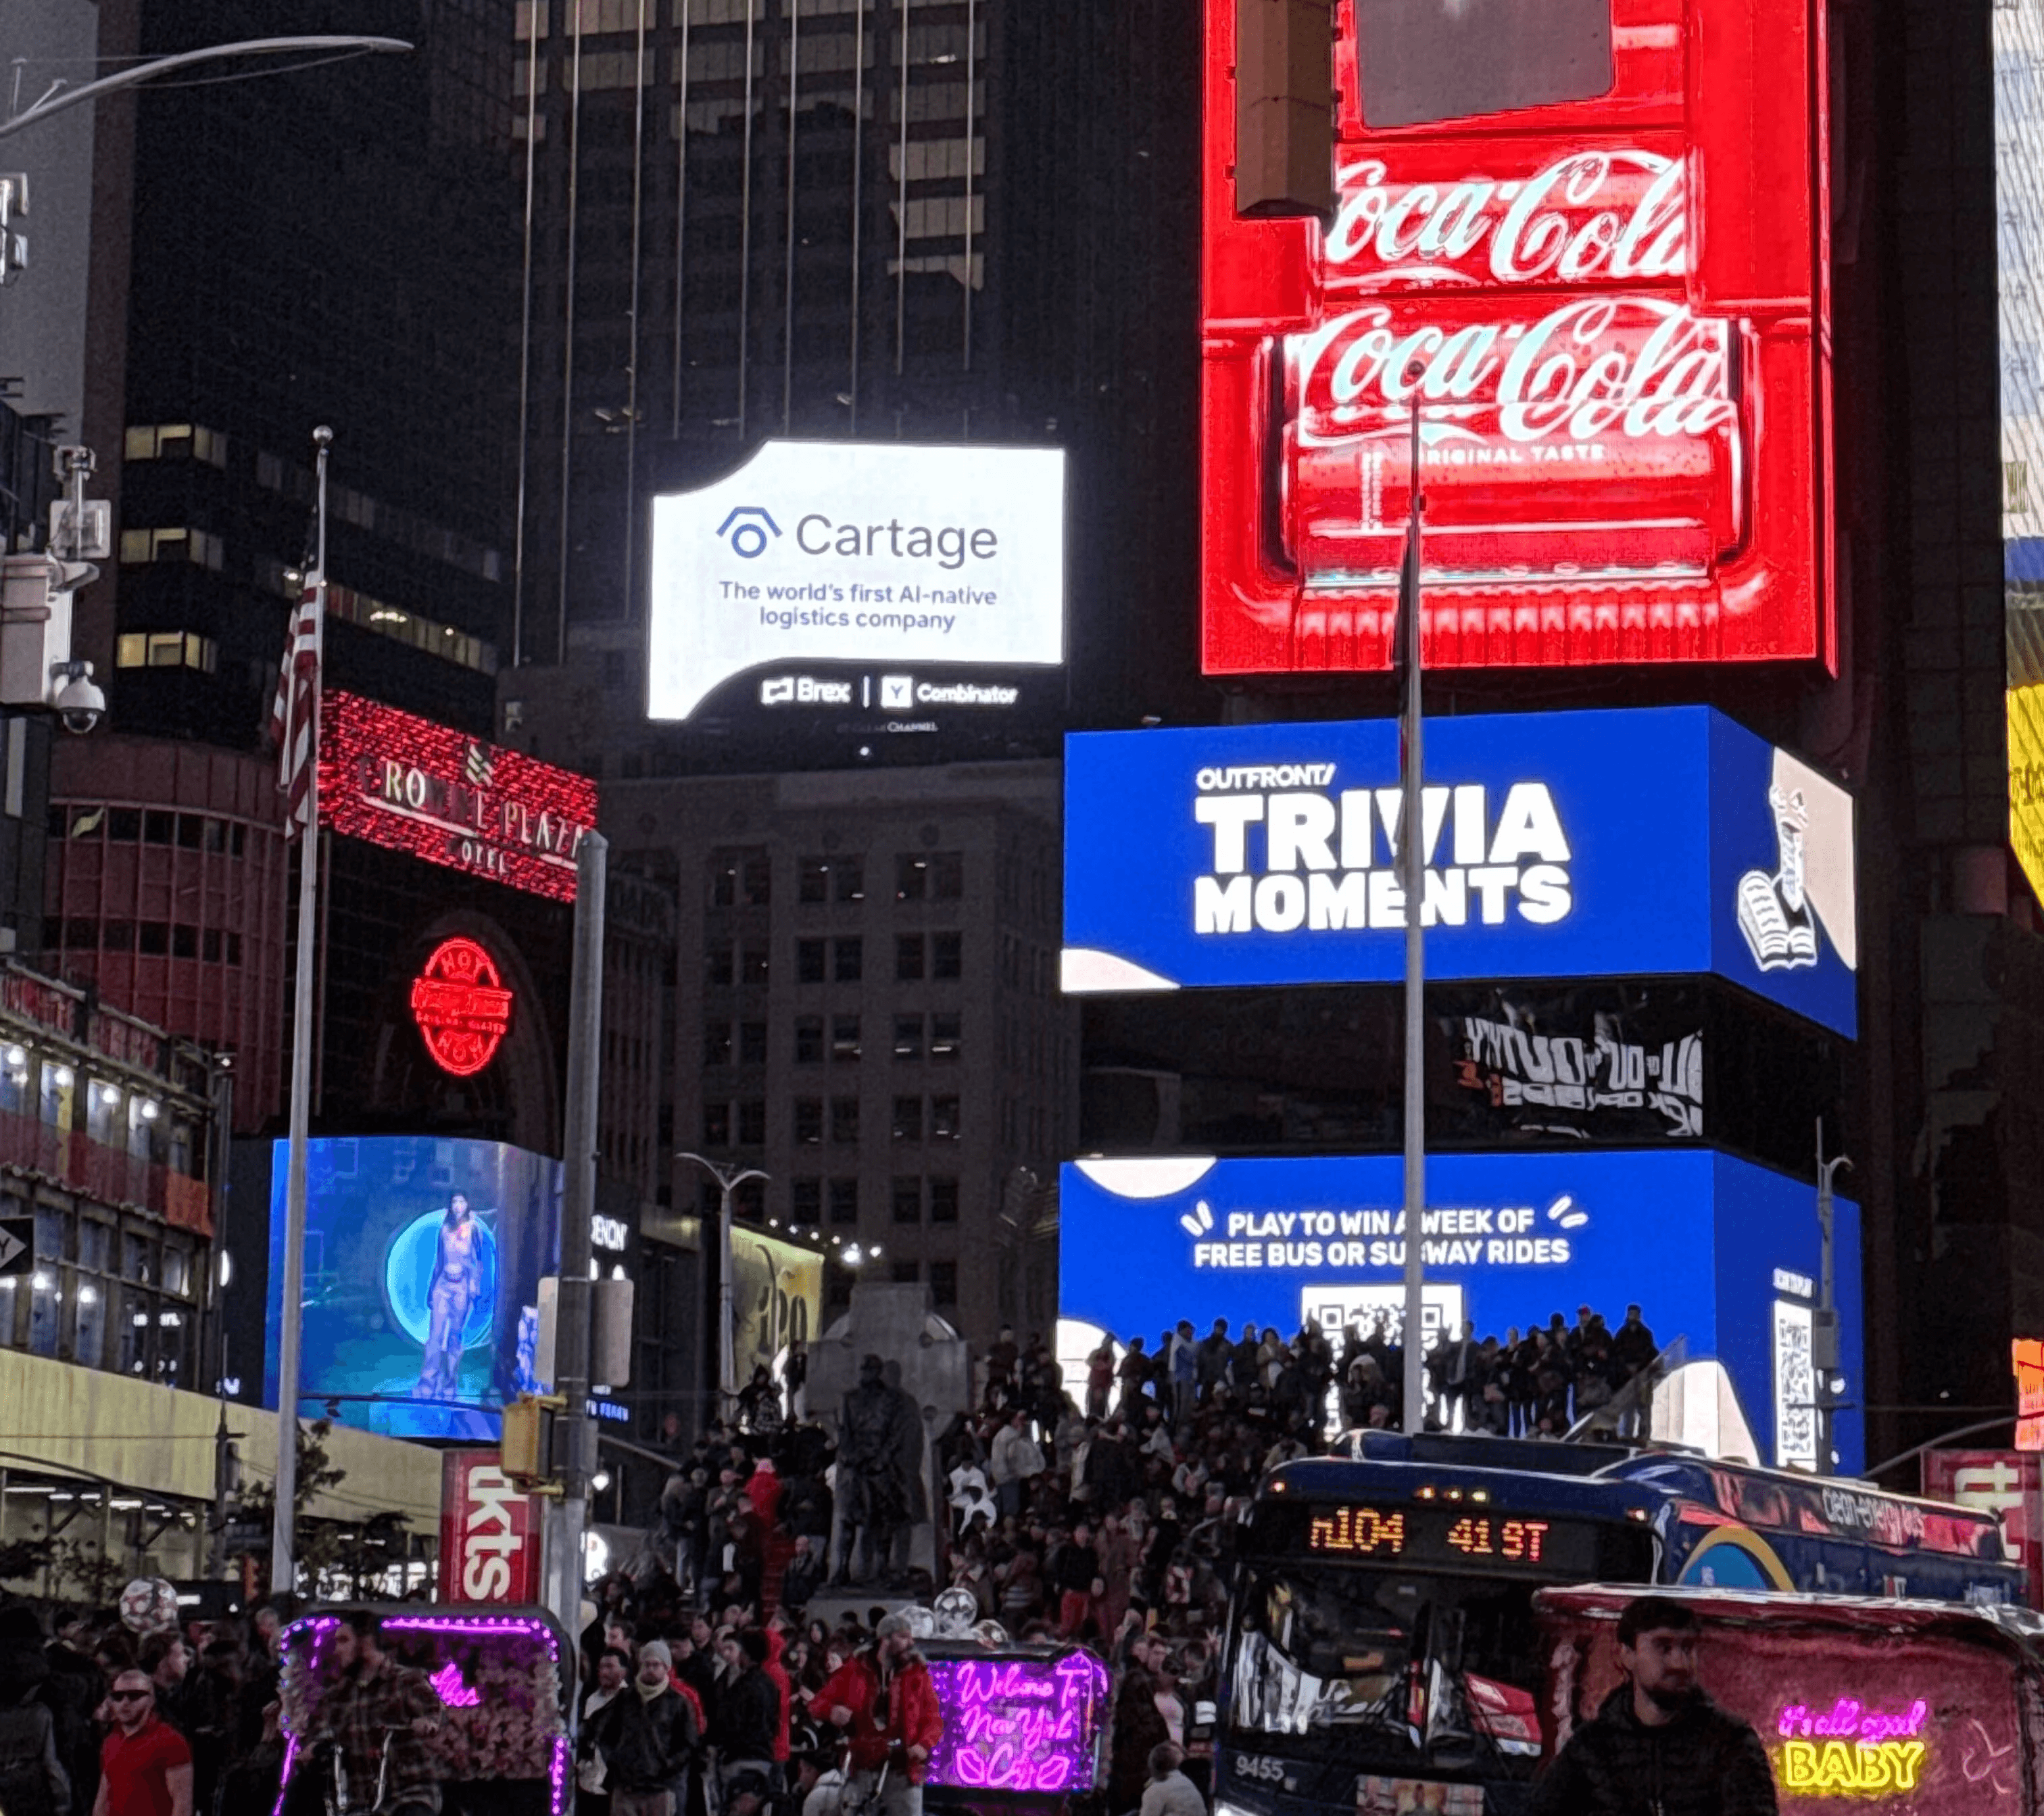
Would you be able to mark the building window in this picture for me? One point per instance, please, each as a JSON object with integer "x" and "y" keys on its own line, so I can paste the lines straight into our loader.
{"x": 717, "y": 964}
{"x": 806, "y": 1200}
{"x": 943, "y": 1200}
{"x": 907, "y": 1273}
{"x": 166, "y": 649}
{"x": 809, "y": 1122}
{"x": 946, "y": 954}
{"x": 947, "y": 875}
{"x": 907, "y": 1201}
{"x": 944, "y": 1118}
{"x": 908, "y": 1119}
{"x": 741, "y": 879}
{"x": 844, "y": 1039}
{"x": 717, "y": 1043}
{"x": 908, "y": 1036}
{"x": 752, "y": 1044}
{"x": 808, "y": 1040}
{"x": 199, "y": 547}
{"x": 752, "y": 1123}
{"x": 851, "y": 961}
{"x": 752, "y": 965}
{"x": 844, "y": 1121}
{"x": 944, "y": 1036}
{"x": 716, "y": 1125}
{"x": 809, "y": 961}
{"x": 944, "y": 1284}
{"x": 832, "y": 879}
{"x": 844, "y": 1201}
{"x": 907, "y": 957}
{"x": 174, "y": 441}
{"x": 911, "y": 877}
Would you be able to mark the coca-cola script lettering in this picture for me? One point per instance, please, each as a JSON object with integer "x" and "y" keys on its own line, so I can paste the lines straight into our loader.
{"x": 1635, "y": 368}
{"x": 1594, "y": 217}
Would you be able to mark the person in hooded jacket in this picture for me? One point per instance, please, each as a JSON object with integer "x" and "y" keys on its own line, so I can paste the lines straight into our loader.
{"x": 1659, "y": 1746}
{"x": 33, "y": 1779}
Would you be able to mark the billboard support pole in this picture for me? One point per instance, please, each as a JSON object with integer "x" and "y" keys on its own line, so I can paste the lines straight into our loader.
{"x": 1412, "y": 871}
{"x": 574, "y": 1435}
{"x": 283, "y": 1562}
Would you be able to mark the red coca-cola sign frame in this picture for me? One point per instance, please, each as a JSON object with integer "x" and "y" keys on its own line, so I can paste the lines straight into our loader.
{"x": 490, "y": 1533}
{"x": 1619, "y": 311}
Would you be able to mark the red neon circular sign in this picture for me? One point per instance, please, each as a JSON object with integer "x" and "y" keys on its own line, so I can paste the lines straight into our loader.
{"x": 461, "y": 1006}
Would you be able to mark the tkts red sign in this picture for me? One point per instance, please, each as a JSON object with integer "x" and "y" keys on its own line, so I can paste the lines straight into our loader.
{"x": 404, "y": 782}
{"x": 1616, "y": 309}
{"x": 490, "y": 1532}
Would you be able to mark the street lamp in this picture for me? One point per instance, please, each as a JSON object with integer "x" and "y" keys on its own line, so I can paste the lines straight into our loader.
{"x": 60, "y": 95}
{"x": 1824, "y": 1342}
{"x": 728, "y": 1179}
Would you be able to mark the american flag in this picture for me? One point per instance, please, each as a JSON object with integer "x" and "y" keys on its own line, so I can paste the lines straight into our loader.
{"x": 292, "y": 713}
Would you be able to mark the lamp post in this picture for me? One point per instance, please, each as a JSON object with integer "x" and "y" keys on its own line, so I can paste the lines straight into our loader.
{"x": 59, "y": 95}
{"x": 728, "y": 1179}
{"x": 1824, "y": 1338}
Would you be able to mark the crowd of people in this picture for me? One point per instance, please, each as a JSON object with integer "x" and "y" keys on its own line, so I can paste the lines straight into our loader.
{"x": 1093, "y": 1513}
{"x": 1536, "y": 1384}
{"x": 98, "y": 1720}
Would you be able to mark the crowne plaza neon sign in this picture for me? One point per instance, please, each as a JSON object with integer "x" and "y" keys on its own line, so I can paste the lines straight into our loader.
{"x": 408, "y": 784}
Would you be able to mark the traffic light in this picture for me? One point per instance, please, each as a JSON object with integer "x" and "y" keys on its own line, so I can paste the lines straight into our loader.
{"x": 526, "y": 1446}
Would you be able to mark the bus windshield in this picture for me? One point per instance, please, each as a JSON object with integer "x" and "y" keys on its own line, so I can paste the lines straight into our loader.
{"x": 1393, "y": 1667}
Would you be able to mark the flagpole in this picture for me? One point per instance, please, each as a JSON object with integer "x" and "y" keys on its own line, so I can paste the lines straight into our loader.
{"x": 1412, "y": 871}
{"x": 283, "y": 1566}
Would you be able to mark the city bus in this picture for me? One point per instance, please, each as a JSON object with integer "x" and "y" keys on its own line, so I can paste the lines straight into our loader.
{"x": 1382, "y": 1653}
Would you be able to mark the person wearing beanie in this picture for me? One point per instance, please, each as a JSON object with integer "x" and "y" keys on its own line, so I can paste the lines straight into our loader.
{"x": 883, "y": 1696}
{"x": 645, "y": 1740}
{"x": 747, "y": 1722}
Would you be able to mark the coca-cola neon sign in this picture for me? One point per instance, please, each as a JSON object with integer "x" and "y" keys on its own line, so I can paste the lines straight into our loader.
{"x": 461, "y": 1008}
{"x": 1611, "y": 317}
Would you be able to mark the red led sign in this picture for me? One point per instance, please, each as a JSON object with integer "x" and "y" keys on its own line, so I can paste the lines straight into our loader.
{"x": 1618, "y": 309}
{"x": 461, "y": 1007}
{"x": 403, "y": 782}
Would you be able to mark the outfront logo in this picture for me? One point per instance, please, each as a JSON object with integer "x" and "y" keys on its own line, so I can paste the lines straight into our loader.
{"x": 748, "y": 529}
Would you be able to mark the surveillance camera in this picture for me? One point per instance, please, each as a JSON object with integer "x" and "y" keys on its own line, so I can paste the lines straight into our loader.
{"x": 79, "y": 702}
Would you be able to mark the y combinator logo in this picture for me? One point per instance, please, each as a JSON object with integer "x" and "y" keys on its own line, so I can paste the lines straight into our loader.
{"x": 1293, "y": 852}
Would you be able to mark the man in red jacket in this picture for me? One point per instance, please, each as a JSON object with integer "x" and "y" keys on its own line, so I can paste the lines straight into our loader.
{"x": 884, "y": 1696}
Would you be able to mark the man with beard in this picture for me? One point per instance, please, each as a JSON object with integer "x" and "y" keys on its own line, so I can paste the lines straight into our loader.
{"x": 1658, "y": 1745}
{"x": 883, "y": 1696}
{"x": 380, "y": 1716}
{"x": 457, "y": 1274}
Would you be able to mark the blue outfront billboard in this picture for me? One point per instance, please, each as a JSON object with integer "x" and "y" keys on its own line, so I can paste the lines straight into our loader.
{"x": 423, "y": 1260}
{"x": 1719, "y": 1253}
{"x": 1662, "y": 842}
